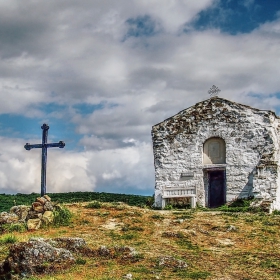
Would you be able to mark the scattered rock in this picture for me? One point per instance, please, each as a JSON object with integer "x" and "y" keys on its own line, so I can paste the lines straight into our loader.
{"x": 171, "y": 234}
{"x": 8, "y": 218}
{"x": 74, "y": 245}
{"x": 231, "y": 228}
{"x": 168, "y": 261}
{"x": 225, "y": 242}
{"x": 124, "y": 253}
{"x": 103, "y": 251}
{"x": 35, "y": 257}
{"x": 128, "y": 276}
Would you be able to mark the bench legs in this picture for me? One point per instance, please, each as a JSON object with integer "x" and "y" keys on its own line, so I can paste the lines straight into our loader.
{"x": 163, "y": 203}
{"x": 193, "y": 202}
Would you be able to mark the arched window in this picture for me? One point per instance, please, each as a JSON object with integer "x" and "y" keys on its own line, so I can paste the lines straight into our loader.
{"x": 214, "y": 151}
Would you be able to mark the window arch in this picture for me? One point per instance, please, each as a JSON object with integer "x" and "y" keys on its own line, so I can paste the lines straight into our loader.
{"x": 214, "y": 151}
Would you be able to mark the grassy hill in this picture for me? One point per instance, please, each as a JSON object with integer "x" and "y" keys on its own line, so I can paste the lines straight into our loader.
{"x": 9, "y": 200}
{"x": 175, "y": 244}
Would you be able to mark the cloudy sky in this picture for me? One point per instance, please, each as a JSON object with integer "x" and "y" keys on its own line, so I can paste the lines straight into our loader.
{"x": 101, "y": 73}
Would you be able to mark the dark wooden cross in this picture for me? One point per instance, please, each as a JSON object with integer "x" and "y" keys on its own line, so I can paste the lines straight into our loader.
{"x": 44, "y": 146}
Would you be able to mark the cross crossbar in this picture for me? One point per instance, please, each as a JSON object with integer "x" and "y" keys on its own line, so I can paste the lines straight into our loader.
{"x": 44, "y": 146}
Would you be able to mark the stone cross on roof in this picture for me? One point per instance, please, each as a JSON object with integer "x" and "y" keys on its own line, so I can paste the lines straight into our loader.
{"x": 213, "y": 91}
{"x": 44, "y": 147}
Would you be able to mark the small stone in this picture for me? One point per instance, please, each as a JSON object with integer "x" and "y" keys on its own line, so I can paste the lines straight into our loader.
{"x": 231, "y": 228}
{"x": 225, "y": 242}
{"x": 127, "y": 276}
{"x": 47, "y": 197}
{"x": 42, "y": 200}
{"x": 38, "y": 207}
{"x": 48, "y": 206}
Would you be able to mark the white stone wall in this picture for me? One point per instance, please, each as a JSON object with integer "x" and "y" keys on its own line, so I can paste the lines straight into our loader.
{"x": 252, "y": 147}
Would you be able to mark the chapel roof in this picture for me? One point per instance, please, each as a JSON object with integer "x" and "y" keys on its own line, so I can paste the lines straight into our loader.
{"x": 217, "y": 101}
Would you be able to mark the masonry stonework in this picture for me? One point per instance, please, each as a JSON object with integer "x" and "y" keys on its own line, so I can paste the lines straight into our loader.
{"x": 217, "y": 151}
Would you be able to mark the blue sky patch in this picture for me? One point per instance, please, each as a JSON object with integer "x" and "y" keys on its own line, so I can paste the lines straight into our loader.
{"x": 52, "y": 107}
{"x": 18, "y": 126}
{"x": 86, "y": 108}
{"x": 237, "y": 16}
{"x": 141, "y": 26}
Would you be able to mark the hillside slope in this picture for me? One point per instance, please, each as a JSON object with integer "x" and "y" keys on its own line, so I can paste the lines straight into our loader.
{"x": 183, "y": 244}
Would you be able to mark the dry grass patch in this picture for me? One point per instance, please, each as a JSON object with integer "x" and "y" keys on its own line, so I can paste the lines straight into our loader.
{"x": 183, "y": 244}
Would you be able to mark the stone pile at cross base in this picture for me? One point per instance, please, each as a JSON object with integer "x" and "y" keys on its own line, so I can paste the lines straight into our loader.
{"x": 40, "y": 213}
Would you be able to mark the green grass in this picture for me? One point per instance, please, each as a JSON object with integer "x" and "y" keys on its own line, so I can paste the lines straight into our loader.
{"x": 19, "y": 227}
{"x": 9, "y": 200}
{"x": 8, "y": 239}
{"x": 62, "y": 217}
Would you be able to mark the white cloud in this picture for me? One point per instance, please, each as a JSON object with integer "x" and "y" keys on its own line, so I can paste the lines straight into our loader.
{"x": 72, "y": 171}
{"x": 71, "y": 52}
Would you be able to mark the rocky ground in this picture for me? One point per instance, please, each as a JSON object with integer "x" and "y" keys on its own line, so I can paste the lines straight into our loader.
{"x": 116, "y": 241}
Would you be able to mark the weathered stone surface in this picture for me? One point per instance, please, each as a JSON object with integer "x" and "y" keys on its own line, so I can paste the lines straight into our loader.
{"x": 34, "y": 224}
{"x": 125, "y": 253}
{"x": 48, "y": 206}
{"x": 72, "y": 244}
{"x": 35, "y": 257}
{"x": 38, "y": 207}
{"x": 21, "y": 211}
{"x": 249, "y": 158}
{"x": 34, "y": 215}
{"x": 41, "y": 200}
{"x": 8, "y": 218}
{"x": 47, "y": 217}
{"x": 171, "y": 262}
{"x": 47, "y": 197}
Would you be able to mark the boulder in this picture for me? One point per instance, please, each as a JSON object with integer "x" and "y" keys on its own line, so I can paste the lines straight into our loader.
{"x": 34, "y": 224}
{"x": 21, "y": 211}
{"x": 8, "y": 218}
{"x": 48, "y": 217}
{"x": 35, "y": 257}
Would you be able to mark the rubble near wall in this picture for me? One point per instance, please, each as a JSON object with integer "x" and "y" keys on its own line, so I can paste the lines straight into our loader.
{"x": 252, "y": 149}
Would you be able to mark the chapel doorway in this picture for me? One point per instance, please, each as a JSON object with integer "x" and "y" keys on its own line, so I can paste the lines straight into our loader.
{"x": 216, "y": 188}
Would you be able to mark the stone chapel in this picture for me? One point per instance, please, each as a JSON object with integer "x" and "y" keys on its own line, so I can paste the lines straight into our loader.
{"x": 217, "y": 151}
